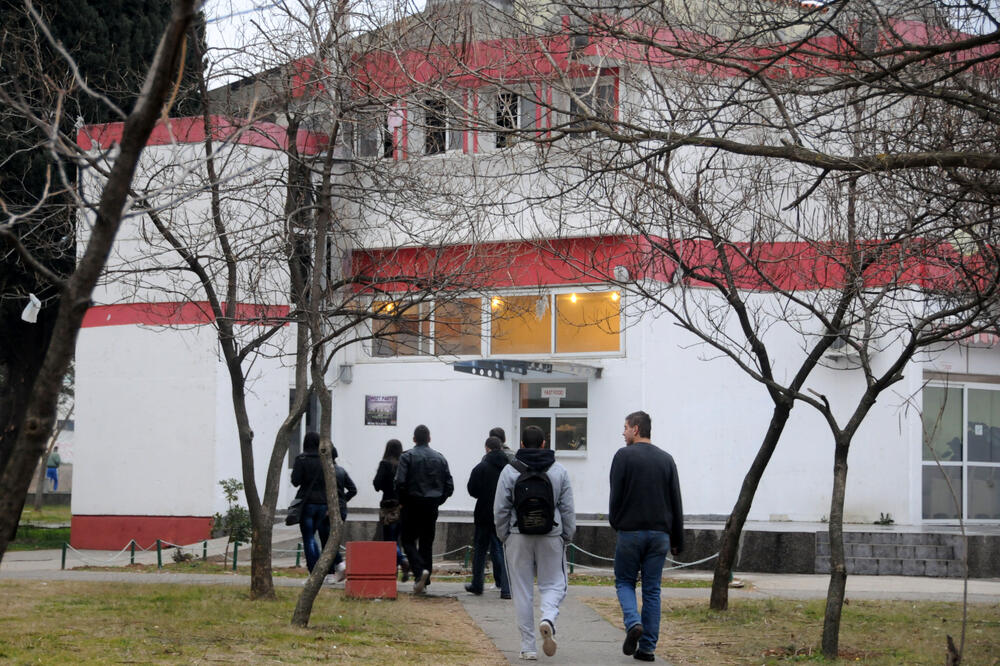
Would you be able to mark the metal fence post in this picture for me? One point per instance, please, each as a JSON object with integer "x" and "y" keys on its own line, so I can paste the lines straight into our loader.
{"x": 131, "y": 545}
{"x": 298, "y": 555}
{"x": 468, "y": 549}
{"x": 572, "y": 556}
{"x": 204, "y": 550}
{"x": 159, "y": 554}
{"x": 236, "y": 546}
{"x": 65, "y": 546}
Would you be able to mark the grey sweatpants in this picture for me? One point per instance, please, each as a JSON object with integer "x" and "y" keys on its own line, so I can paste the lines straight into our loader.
{"x": 526, "y": 556}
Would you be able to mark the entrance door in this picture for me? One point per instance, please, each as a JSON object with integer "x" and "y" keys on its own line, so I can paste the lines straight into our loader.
{"x": 559, "y": 409}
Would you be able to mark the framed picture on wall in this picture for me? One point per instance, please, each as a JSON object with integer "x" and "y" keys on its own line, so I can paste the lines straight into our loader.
{"x": 380, "y": 410}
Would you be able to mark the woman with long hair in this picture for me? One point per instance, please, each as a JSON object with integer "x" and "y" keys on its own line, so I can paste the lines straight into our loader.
{"x": 389, "y": 508}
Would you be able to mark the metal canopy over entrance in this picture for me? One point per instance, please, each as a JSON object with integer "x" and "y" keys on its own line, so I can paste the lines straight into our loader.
{"x": 495, "y": 369}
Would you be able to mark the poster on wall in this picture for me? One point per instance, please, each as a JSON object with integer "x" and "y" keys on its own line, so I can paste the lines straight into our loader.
{"x": 380, "y": 410}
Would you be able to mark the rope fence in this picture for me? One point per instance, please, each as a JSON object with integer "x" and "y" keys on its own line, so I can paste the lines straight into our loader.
{"x": 133, "y": 547}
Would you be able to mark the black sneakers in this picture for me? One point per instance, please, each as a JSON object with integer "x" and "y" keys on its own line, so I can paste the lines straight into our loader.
{"x": 632, "y": 637}
{"x": 644, "y": 656}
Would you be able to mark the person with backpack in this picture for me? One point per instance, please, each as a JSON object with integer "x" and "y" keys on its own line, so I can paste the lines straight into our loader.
{"x": 483, "y": 486}
{"x": 535, "y": 519}
{"x": 646, "y": 513}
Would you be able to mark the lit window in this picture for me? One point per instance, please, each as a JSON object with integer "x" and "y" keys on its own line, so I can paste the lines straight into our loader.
{"x": 559, "y": 409}
{"x": 588, "y": 322}
{"x": 458, "y": 327}
{"x": 521, "y": 325}
{"x": 403, "y": 329}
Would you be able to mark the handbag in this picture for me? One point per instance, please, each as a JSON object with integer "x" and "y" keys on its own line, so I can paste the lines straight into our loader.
{"x": 294, "y": 512}
{"x": 389, "y": 511}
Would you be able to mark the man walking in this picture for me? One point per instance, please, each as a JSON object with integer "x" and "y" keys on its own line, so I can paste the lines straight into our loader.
{"x": 423, "y": 483}
{"x": 535, "y": 519}
{"x": 646, "y": 513}
{"x": 483, "y": 486}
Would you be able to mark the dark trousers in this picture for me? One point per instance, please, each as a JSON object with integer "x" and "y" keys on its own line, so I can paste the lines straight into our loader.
{"x": 390, "y": 532}
{"x": 486, "y": 541}
{"x": 419, "y": 518}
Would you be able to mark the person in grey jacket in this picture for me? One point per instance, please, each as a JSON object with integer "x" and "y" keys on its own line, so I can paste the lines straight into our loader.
{"x": 528, "y": 554}
{"x": 423, "y": 483}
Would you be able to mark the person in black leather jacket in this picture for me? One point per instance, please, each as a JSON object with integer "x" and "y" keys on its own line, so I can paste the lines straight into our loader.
{"x": 423, "y": 483}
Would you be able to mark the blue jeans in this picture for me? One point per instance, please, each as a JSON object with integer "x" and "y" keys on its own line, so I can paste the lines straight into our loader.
{"x": 314, "y": 518}
{"x": 485, "y": 540}
{"x": 641, "y": 551}
{"x": 390, "y": 532}
{"x": 53, "y": 474}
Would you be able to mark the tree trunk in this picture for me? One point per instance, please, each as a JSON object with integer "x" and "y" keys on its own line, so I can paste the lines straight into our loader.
{"x": 729, "y": 544}
{"x": 838, "y": 566}
{"x": 40, "y": 415}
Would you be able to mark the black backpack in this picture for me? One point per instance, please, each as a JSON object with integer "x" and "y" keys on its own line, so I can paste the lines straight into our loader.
{"x": 534, "y": 504}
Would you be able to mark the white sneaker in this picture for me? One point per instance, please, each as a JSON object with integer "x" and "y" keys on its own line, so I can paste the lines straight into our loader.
{"x": 328, "y": 579}
{"x": 420, "y": 582}
{"x": 341, "y": 573}
{"x": 547, "y": 631}
{"x": 528, "y": 655}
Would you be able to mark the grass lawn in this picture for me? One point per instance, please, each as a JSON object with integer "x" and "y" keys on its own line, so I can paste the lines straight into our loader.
{"x": 47, "y": 515}
{"x": 58, "y": 622}
{"x": 779, "y": 631}
{"x": 33, "y": 537}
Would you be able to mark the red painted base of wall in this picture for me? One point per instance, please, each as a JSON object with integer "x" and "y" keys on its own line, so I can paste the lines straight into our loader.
{"x": 115, "y": 532}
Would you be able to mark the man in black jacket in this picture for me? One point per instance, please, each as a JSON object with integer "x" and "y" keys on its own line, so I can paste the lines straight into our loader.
{"x": 423, "y": 482}
{"x": 646, "y": 513}
{"x": 483, "y": 486}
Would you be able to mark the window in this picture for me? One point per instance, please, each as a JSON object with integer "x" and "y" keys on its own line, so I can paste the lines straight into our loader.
{"x": 584, "y": 322}
{"x": 507, "y": 119}
{"x": 591, "y": 103}
{"x": 961, "y": 429}
{"x": 374, "y": 137}
{"x": 419, "y": 329}
{"x": 559, "y": 409}
{"x": 404, "y": 329}
{"x": 521, "y": 325}
{"x": 442, "y": 130}
{"x": 458, "y": 327}
{"x": 587, "y": 322}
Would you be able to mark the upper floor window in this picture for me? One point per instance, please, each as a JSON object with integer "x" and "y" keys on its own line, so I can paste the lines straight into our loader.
{"x": 595, "y": 102}
{"x": 374, "y": 137}
{"x": 442, "y": 129}
{"x": 507, "y": 119}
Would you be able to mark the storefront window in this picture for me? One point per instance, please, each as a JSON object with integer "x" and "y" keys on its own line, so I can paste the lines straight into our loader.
{"x": 405, "y": 331}
{"x": 521, "y": 325}
{"x": 458, "y": 327}
{"x": 588, "y": 322}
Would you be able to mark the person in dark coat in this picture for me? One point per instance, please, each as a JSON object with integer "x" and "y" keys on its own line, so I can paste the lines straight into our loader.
{"x": 389, "y": 508}
{"x": 483, "y": 486}
{"x": 307, "y": 475}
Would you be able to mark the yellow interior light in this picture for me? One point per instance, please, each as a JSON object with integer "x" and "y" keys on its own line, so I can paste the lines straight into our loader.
{"x": 495, "y": 303}
{"x": 389, "y": 307}
{"x": 572, "y": 298}
{"x": 615, "y": 296}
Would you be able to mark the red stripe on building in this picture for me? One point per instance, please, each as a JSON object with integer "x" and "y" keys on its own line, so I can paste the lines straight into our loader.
{"x": 115, "y": 532}
{"x": 192, "y": 130}
{"x": 178, "y": 314}
{"x": 763, "y": 267}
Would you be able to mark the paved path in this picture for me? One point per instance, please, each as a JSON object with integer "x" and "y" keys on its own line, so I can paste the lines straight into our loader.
{"x": 584, "y": 638}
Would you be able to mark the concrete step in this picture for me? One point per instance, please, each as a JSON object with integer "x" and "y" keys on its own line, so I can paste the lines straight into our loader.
{"x": 876, "y": 566}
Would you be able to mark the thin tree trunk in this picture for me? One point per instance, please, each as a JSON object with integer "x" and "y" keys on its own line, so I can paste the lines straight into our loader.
{"x": 838, "y": 565}
{"x": 729, "y": 544}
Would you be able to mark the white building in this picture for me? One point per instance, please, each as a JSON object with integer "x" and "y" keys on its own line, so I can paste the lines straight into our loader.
{"x": 155, "y": 426}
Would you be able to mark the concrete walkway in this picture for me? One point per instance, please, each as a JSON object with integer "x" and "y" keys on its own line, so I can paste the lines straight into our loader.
{"x": 584, "y": 637}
